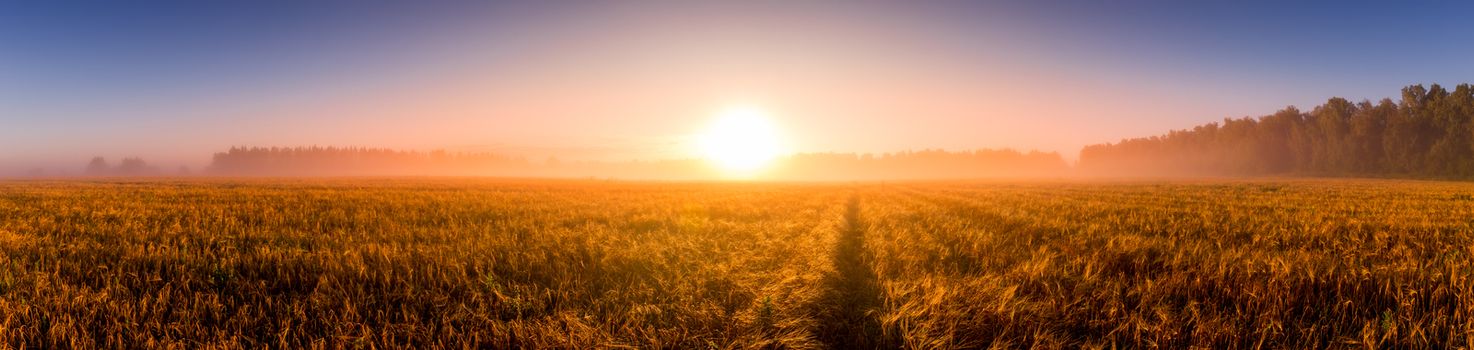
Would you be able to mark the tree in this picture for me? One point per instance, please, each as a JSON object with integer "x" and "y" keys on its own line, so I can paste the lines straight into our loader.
{"x": 1429, "y": 132}
{"x": 98, "y": 166}
{"x": 134, "y": 166}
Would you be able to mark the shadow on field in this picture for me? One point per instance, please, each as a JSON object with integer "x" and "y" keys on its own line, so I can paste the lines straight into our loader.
{"x": 852, "y": 295}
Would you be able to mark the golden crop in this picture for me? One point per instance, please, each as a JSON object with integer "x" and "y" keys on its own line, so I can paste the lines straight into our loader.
{"x": 427, "y": 263}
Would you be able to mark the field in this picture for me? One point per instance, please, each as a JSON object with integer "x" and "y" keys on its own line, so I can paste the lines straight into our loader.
{"x": 427, "y": 263}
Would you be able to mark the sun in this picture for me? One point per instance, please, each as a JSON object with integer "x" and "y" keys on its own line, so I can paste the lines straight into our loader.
{"x": 741, "y": 139}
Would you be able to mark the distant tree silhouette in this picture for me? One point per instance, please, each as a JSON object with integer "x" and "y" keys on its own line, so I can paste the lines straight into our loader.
{"x": 134, "y": 166}
{"x": 317, "y": 161}
{"x": 130, "y": 166}
{"x": 98, "y": 166}
{"x": 336, "y": 161}
{"x": 924, "y": 164}
{"x": 1427, "y": 134}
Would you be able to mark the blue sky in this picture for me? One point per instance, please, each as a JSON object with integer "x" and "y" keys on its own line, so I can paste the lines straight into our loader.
{"x": 175, "y": 81}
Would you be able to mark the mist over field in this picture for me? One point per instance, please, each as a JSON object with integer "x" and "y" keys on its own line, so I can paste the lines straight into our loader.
{"x": 1425, "y": 134}
{"x": 736, "y": 175}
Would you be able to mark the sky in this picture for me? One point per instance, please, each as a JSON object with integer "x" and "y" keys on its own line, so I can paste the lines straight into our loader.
{"x": 174, "y": 82}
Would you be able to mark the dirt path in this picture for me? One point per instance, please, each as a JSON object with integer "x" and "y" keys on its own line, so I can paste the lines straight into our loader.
{"x": 853, "y": 294}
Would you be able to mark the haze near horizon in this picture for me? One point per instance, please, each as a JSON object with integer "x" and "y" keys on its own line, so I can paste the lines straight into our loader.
{"x": 175, "y": 82}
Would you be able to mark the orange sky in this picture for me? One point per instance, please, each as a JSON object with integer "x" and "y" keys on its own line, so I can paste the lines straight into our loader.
{"x": 638, "y": 85}
{"x": 634, "y": 80}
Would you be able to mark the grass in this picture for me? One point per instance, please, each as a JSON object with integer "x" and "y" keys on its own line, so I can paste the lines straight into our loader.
{"x": 429, "y": 263}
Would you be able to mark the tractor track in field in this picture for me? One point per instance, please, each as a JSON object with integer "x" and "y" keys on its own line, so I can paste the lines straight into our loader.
{"x": 853, "y": 296}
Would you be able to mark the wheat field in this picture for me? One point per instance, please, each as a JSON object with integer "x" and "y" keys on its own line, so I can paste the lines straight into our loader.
{"x": 481, "y": 263}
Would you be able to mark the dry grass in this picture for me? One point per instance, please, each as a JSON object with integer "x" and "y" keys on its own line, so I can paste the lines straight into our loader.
{"x": 429, "y": 263}
{"x": 1305, "y": 264}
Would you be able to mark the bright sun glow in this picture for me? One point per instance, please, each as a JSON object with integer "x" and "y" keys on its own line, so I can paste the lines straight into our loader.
{"x": 741, "y": 140}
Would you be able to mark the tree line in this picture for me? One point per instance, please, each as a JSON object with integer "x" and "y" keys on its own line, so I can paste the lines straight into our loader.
{"x": 1427, "y": 133}
{"x": 340, "y": 161}
{"x": 359, "y": 161}
{"x": 129, "y": 166}
{"x": 924, "y": 164}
